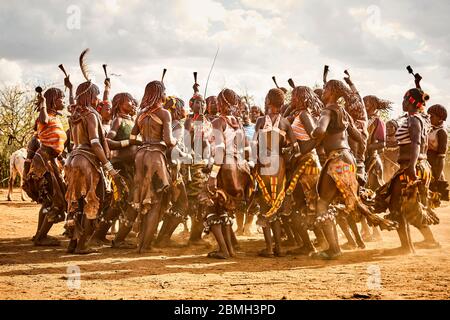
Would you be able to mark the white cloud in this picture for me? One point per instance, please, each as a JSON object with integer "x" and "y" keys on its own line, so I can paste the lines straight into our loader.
{"x": 10, "y": 72}
{"x": 274, "y": 7}
{"x": 257, "y": 39}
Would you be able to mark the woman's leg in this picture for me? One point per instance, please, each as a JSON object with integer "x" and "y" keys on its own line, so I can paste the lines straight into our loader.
{"x": 268, "y": 251}
{"x": 149, "y": 224}
{"x": 227, "y": 232}
{"x": 327, "y": 190}
{"x": 216, "y": 230}
{"x": 99, "y": 236}
{"x": 354, "y": 228}
{"x": 395, "y": 210}
{"x": 343, "y": 223}
{"x": 276, "y": 229}
{"x": 125, "y": 227}
{"x": 88, "y": 229}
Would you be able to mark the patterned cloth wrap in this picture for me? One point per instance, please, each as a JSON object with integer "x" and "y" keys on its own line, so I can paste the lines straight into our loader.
{"x": 414, "y": 197}
{"x": 307, "y": 173}
{"x": 273, "y": 199}
{"x": 344, "y": 175}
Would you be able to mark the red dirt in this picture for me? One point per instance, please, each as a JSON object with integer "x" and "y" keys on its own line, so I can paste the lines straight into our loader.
{"x": 28, "y": 272}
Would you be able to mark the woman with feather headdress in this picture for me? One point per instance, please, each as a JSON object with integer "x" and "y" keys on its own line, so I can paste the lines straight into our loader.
{"x": 85, "y": 165}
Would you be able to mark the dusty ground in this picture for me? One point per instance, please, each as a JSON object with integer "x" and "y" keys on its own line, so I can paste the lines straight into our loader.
{"x": 27, "y": 272}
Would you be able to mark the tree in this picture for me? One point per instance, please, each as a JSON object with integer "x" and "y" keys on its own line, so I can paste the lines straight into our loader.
{"x": 17, "y": 116}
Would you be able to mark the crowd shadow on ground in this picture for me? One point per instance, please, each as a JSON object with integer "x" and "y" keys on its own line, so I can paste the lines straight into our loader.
{"x": 18, "y": 257}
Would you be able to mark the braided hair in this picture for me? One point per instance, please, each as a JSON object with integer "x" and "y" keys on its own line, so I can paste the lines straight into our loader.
{"x": 51, "y": 95}
{"x": 306, "y": 98}
{"x": 154, "y": 91}
{"x": 118, "y": 100}
{"x": 228, "y": 98}
{"x": 342, "y": 94}
{"x": 86, "y": 93}
{"x": 373, "y": 102}
{"x": 276, "y": 97}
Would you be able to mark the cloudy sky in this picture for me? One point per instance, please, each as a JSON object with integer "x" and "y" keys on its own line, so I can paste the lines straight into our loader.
{"x": 375, "y": 40}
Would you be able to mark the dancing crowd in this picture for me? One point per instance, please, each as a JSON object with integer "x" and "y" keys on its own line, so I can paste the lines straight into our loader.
{"x": 299, "y": 168}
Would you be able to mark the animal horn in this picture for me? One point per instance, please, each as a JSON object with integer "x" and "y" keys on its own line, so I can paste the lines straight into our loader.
{"x": 291, "y": 83}
{"x": 104, "y": 70}
{"x": 63, "y": 70}
{"x": 417, "y": 77}
{"x": 195, "y": 83}
{"x": 39, "y": 93}
{"x": 326, "y": 69}
{"x": 275, "y": 81}
{"x": 164, "y": 74}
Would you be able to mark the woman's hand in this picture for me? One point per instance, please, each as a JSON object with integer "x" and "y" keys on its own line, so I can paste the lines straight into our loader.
{"x": 107, "y": 84}
{"x": 411, "y": 173}
{"x": 67, "y": 83}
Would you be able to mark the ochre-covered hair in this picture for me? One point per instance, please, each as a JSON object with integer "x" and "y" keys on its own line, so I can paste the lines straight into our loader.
{"x": 51, "y": 95}
{"x": 319, "y": 92}
{"x": 339, "y": 89}
{"x": 373, "y": 102}
{"x": 353, "y": 102}
{"x": 276, "y": 97}
{"x": 154, "y": 91}
{"x": 118, "y": 100}
{"x": 307, "y": 99}
{"x": 229, "y": 98}
{"x": 86, "y": 92}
